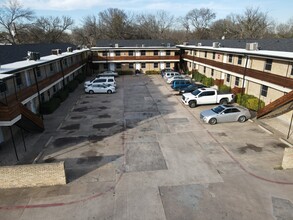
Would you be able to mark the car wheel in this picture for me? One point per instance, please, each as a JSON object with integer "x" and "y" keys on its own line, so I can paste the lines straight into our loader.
{"x": 91, "y": 92}
{"x": 213, "y": 121}
{"x": 223, "y": 101}
{"x": 109, "y": 91}
{"x": 242, "y": 119}
{"x": 192, "y": 104}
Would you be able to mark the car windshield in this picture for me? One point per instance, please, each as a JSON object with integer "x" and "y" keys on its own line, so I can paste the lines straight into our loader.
{"x": 218, "y": 109}
{"x": 196, "y": 92}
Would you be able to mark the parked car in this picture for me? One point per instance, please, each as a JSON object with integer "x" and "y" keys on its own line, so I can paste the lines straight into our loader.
{"x": 225, "y": 113}
{"x": 170, "y": 74}
{"x": 180, "y": 83}
{"x": 163, "y": 71}
{"x": 171, "y": 79}
{"x": 108, "y": 73}
{"x": 99, "y": 88}
{"x": 101, "y": 80}
{"x": 206, "y": 96}
{"x": 191, "y": 88}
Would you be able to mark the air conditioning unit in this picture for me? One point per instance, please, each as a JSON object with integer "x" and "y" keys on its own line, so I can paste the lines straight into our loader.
{"x": 33, "y": 55}
{"x": 185, "y": 43}
{"x": 199, "y": 44}
{"x": 116, "y": 45}
{"x": 252, "y": 46}
{"x": 216, "y": 44}
{"x": 142, "y": 45}
{"x": 56, "y": 52}
{"x": 69, "y": 49}
{"x": 168, "y": 45}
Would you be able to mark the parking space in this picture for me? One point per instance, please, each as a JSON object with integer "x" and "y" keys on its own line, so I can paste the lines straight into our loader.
{"x": 140, "y": 153}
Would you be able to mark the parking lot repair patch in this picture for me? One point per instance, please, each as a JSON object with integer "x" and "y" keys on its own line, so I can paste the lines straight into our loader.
{"x": 144, "y": 156}
{"x": 176, "y": 120}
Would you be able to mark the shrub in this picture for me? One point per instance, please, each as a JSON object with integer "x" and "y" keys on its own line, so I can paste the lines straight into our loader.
{"x": 208, "y": 81}
{"x": 80, "y": 78}
{"x": 72, "y": 85}
{"x": 224, "y": 88}
{"x": 152, "y": 72}
{"x": 249, "y": 101}
{"x": 62, "y": 94}
{"x": 50, "y": 106}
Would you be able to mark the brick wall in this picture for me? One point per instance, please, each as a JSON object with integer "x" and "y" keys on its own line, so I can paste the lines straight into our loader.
{"x": 18, "y": 176}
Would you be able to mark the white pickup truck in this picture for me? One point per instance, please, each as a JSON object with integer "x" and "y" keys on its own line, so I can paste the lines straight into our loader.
{"x": 204, "y": 96}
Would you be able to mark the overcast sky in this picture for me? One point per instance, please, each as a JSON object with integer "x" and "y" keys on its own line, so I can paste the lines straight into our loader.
{"x": 279, "y": 10}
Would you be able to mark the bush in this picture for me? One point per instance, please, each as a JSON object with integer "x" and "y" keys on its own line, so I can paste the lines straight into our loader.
{"x": 208, "y": 81}
{"x": 152, "y": 72}
{"x": 224, "y": 88}
{"x": 80, "y": 78}
{"x": 249, "y": 101}
{"x": 198, "y": 77}
{"x": 125, "y": 72}
{"x": 62, "y": 94}
{"x": 72, "y": 85}
{"x": 50, "y": 106}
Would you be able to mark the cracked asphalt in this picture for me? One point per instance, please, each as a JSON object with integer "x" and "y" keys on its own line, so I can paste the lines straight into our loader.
{"x": 141, "y": 154}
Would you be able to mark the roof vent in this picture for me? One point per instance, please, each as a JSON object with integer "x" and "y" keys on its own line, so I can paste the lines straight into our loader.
{"x": 56, "y": 52}
{"x": 33, "y": 55}
{"x": 252, "y": 46}
{"x": 69, "y": 49}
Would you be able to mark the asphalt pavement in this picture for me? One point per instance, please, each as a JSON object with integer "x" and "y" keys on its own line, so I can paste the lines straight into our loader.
{"x": 141, "y": 154}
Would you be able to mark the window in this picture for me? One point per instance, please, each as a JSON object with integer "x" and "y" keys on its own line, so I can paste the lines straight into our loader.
{"x": 51, "y": 67}
{"x": 54, "y": 88}
{"x": 118, "y": 65}
{"x": 156, "y": 53}
{"x": 292, "y": 70}
{"x": 237, "y": 81}
{"x": 130, "y": 53}
{"x": 105, "y": 65}
{"x": 156, "y": 65}
{"x": 49, "y": 93}
{"x": 143, "y": 65}
{"x": 104, "y": 53}
{"x": 228, "y": 78}
{"x": 208, "y": 93}
{"x": 204, "y": 69}
{"x": 230, "y": 58}
{"x": 18, "y": 79}
{"x": 168, "y": 53}
{"x": 212, "y": 73}
{"x": 239, "y": 60}
{"x": 117, "y": 53}
{"x": 65, "y": 62}
{"x": 38, "y": 71}
{"x": 142, "y": 53}
{"x": 268, "y": 65}
{"x": 264, "y": 90}
{"x": 3, "y": 87}
{"x": 167, "y": 65}
{"x": 205, "y": 54}
{"x": 214, "y": 55}
{"x": 42, "y": 97}
{"x": 130, "y": 65}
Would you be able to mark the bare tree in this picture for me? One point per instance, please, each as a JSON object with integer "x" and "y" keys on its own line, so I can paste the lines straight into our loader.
{"x": 115, "y": 24}
{"x": 12, "y": 21}
{"x": 285, "y": 30}
{"x": 50, "y": 29}
{"x": 201, "y": 19}
{"x": 253, "y": 24}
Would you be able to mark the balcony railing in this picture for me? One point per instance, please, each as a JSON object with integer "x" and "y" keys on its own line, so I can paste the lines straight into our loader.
{"x": 136, "y": 58}
{"x": 264, "y": 76}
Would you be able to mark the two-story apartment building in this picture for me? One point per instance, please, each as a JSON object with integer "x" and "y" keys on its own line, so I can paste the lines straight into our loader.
{"x": 27, "y": 83}
{"x": 252, "y": 69}
{"x": 132, "y": 55}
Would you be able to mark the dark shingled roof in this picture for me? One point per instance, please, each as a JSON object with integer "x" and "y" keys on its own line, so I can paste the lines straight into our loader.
{"x": 263, "y": 44}
{"x": 14, "y": 53}
{"x": 134, "y": 43}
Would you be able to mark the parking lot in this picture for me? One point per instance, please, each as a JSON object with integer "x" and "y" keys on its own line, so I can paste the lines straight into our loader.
{"x": 140, "y": 153}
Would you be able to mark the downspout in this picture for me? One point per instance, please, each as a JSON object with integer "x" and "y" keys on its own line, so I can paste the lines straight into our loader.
{"x": 243, "y": 79}
{"x": 38, "y": 90}
{"x": 62, "y": 70}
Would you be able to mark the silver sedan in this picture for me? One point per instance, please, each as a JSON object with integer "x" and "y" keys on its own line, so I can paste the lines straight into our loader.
{"x": 225, "y": 113}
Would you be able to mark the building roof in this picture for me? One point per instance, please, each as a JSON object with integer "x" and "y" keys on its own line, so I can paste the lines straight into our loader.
{"x": 281, "y": 44}
{"x": 13, "y": 53}
{"x": 134, "y": 43}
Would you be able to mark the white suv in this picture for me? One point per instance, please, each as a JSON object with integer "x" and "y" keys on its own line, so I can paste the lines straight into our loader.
{"x": 102, "y": 80}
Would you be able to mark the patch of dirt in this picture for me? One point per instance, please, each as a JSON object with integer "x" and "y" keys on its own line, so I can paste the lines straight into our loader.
{"x": 243, "y": 150}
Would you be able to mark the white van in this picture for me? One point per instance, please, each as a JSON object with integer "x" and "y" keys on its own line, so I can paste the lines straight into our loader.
{"x": 106, "y": 80}
{"x": 170, "y": 74}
